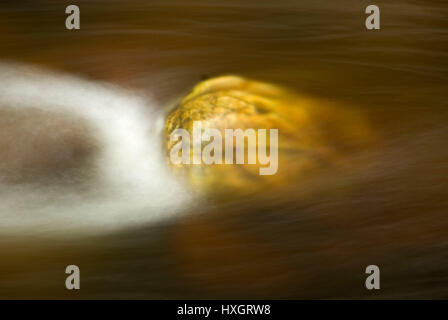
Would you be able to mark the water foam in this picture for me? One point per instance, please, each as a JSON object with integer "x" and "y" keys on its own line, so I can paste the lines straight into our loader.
{"x": 132, "y": 184}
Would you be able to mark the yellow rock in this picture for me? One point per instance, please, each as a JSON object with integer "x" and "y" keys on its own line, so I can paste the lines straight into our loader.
{"x": 313, "y": 134}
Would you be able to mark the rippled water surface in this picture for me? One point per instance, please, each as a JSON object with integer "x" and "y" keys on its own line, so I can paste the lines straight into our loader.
{"x": 110, "y": 205}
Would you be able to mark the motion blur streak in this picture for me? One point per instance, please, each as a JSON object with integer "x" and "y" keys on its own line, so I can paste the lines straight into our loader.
{"x": 128, "y": 182}
{"x": 307, "y": 240}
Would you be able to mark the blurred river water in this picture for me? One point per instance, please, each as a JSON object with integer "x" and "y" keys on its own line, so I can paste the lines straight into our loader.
{"x": 392, "y": 212}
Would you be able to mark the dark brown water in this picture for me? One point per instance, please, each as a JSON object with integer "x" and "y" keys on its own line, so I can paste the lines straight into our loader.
{"x": 393, "y": 213}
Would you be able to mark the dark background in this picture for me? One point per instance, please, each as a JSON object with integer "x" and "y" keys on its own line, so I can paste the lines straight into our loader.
{"x": 394, "y": 215}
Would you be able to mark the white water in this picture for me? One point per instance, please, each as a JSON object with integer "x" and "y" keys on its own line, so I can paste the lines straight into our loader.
{"x": 132, "y": 184}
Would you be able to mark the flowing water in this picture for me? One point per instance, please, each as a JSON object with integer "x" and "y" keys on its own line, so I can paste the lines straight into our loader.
{"x": 84, "y": 181}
